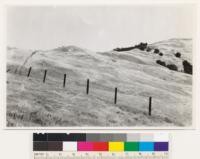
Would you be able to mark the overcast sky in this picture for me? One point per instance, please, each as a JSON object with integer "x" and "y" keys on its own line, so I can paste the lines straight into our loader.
{"x": 97, "y": 28}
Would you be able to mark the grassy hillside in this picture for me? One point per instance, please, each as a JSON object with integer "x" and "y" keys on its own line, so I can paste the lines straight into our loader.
{"x": 135, "y": 73}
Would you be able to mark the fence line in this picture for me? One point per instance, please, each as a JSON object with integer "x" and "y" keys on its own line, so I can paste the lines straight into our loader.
{"x": 87, "y": 88}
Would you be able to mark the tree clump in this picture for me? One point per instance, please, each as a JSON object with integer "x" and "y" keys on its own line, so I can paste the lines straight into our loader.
{"x": 178, "y": 54}
{"x": 124, "y": 49}
{"x": 148, "y": 49}
{"x": 172, "y": 67}
{"x": 187, "y": 67}
{"x": 162, "y": 63}
{"x": 156, "y": 51}
{"x": 169, "y": 66}
{"x": 141, "y": 46}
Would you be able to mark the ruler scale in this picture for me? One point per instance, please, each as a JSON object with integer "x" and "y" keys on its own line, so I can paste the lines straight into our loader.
{"x": 100, "y": 155}
{"x": 100, "y": 146}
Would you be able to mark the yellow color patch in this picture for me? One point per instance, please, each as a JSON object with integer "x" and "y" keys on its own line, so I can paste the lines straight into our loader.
{"x": 116, "y": 146}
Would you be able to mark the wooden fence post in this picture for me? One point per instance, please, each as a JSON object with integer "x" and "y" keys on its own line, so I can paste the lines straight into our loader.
{"x": 150, "y": 101}
{"x": 115, "y": 101}
{"x": 88, "y": 84}
{"x": 16, "y": 70}
{"x": 45, "y": 73}
{"x": 64, "y": 80}
{"x": 29, "y": 71}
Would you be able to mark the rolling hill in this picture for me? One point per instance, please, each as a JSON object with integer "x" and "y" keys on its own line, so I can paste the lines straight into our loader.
{"x": 135, "y": 73}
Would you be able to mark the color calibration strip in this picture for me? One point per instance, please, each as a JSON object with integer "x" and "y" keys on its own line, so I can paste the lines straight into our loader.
{"x": 102, "y": 144}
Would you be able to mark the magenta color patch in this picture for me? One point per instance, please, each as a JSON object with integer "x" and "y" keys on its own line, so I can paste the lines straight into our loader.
{"x": 85, "y": 146}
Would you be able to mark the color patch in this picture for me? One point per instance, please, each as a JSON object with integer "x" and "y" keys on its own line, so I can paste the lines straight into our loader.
{"x": 112, "y": 137}
{"x": 56, "y": 136}
{"x": 69, "y": 146}
{"x": 161, "y": 146}
{"x": 161, "y": 137}
{"x": 119, "y": 137}
{"x": 100, "y": 146}
{"x": 146, "y": 146}
{"x": 133, "y": 137}
{"x": 66, "y": 137}
{"x": 106, "y": 137}
{"x": 131, "y": 146}
{"x": 85, "y": 146}
{"x": 116, "y": 146}
{"x": 92, "y": 137}
{"x": 75, "y": 137}
{"x": 40, "y": 137}
{"x": 146, "y": 137}
{"x": 40, "y": 146}
{"x": 55, "y": 146}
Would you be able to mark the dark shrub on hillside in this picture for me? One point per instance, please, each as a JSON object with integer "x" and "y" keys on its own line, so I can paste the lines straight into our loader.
{"x": 187, "y": 67}
{"x": 172, "y": 67}
{"x": 148, "y": 49}
{"x": 178, "y": 54}
{"x": 141, "y": 46}
{"x": 124, "y": 49}
{"x": 116, "y": 49}
{"x": 161, "y": 54}
{"x": 160, "y": 62}
{"x": 156, "y": 51}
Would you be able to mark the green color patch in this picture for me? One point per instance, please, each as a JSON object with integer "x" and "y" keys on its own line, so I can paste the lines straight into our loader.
{"x": 131, "y": 146}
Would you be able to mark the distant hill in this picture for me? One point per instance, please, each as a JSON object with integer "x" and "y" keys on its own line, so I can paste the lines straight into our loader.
{"x": 70, "y": 48}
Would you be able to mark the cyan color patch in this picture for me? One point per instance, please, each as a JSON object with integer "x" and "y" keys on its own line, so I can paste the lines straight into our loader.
{"x": 146, "y": 146}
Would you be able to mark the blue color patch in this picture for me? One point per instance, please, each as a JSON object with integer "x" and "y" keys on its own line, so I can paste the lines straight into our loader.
{"x": 146, "y": 146}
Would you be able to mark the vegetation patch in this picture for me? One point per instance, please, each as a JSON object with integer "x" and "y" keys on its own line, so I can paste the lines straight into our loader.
{"x": 187, "y": 67}
{"x": 162, "y": 63}
{"x": 178, "y": 54}
{"x": 141, "y": 46}
{"x": 156, "y": 51}
{"x": 172, "y": 67}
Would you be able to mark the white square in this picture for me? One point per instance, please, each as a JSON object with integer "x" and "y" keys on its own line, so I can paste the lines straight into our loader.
{"x": 69, "y": 146}
{"x": 161, "y": 137}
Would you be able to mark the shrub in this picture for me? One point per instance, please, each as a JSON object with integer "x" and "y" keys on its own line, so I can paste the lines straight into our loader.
{"x": 161, "y": 54}
{"x": 124, "y": 49}
{"x": 141, "y": 46}
{"x": 178, "y": 54}
{"x": 172, "y": 67}
{"x": 160, "y": 62}
{"x": 116, "y": 49}
{"x": 148, "y": 49}
{"x": 156, "y": 51}
{"x": 187, "y": 67}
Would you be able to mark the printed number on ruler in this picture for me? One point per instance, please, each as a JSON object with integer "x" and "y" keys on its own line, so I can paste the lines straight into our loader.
{"x": 100, "y": 155}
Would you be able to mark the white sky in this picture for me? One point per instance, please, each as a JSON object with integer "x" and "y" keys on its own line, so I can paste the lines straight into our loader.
{"x": 97, "y": 28}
